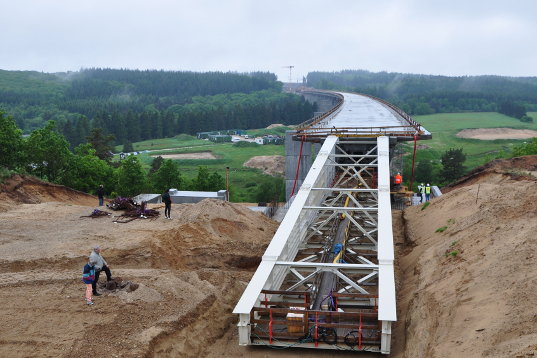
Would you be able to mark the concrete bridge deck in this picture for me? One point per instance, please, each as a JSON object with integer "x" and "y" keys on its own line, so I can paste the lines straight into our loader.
{"x": 362, "y": 116}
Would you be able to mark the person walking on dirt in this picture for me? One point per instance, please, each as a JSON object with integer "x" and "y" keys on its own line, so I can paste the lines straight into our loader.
{"x": 427, "y": 192}
{"x": 167, "y": 200}
{"x": 100, "y": 194}
{"x": 100, "y": 265}
{"x": 88, "y": 277}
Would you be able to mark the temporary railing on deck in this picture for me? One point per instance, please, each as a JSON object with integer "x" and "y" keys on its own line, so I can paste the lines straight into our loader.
{"x": 369, "y": 132}
{"x": 296, "y": 324}
{"x": 313, "y": 121}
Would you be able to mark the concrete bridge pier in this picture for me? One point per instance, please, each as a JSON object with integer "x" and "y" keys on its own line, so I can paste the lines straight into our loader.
{"x": 292, "y": 158}
{"x": 325, "y": 101}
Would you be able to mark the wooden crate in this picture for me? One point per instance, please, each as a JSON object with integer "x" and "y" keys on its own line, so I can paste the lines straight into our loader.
{"x": 295, "y": 318}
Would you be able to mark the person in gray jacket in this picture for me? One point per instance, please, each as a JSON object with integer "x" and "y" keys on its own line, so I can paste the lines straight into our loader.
{"x": 100, "y": 265}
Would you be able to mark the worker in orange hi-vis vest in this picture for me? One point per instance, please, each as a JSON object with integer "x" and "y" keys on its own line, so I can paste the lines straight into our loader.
{"x": 398, "y": 180}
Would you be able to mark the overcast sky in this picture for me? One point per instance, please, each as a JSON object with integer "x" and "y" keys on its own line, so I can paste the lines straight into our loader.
{"x": 447, "y": 37}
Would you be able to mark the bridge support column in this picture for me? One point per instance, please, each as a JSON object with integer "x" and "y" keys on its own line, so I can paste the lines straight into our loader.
{"x": 244, "y": 329}
{"x": 385, "y": 340}
{"x": 292, "y": 159}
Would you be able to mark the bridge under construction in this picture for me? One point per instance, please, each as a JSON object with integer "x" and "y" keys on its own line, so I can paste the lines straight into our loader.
{"x": 326, "y": 280}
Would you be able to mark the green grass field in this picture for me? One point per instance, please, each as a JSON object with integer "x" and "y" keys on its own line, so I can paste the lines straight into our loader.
{"x": 182, "y": 140}
{"x": 243, "y": 181}
{"x": 445, "y": 126}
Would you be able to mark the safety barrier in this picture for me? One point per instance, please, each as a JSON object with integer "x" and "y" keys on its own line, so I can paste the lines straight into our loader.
{"x": 313, "y": 121}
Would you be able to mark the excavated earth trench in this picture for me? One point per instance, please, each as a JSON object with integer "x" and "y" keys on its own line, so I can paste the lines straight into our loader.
{"x": 466, "y": 290}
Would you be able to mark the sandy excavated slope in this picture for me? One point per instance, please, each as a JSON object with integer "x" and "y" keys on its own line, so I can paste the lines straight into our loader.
{"x": 470, "y": 291}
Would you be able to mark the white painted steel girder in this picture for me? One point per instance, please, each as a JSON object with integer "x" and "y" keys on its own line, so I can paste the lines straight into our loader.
{"x": 387, "y": 311}
{"x": 285, "y": 242}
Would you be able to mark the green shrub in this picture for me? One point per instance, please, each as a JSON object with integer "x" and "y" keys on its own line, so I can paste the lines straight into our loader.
{"x": 5, "y": 174}
{"x": 453, "y": 253}
{"x": 425, "y": 205}
{"x": 244, "y": 144}
{"x": 441, "y": 229}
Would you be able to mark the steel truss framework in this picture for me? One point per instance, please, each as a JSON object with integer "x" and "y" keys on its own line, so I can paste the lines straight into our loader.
{"x": 327, "y": 280}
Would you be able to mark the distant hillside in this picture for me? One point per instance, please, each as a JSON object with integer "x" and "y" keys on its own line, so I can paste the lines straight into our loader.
{"x": 426, "y": 94}
{"x": 137, "y": 105}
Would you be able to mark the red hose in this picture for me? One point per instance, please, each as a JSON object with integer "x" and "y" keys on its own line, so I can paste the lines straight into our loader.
{"x": 270, "y": 327}
{"x": 316, "y": 334}
{"x": 413, "y": 161}
{"x": 298, "y": 165}
{"x": 360, "y": 333}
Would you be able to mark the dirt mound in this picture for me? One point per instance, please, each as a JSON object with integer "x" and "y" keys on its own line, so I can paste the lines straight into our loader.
{"x": 269, "y": 164}
{"x": 275, "y": 125}
{"x": 497, "y": 133}
{"x": 215, "y": 234}
{"x": 468, "y": 269}
{"x": 28, "y": 190}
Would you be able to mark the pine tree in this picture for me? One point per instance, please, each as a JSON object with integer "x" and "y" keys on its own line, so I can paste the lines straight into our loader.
{"x": 452, "y": 162}
{"x": 131, "y": 177}
{"x": 167, "y": 176}
{"x": 10, "y": 143}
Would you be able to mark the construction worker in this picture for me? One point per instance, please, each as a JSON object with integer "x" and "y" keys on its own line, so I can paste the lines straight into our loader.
{"x": 421, "y": 191}
{"x": 398, "y": 180}
{"x": 427, "y": 192}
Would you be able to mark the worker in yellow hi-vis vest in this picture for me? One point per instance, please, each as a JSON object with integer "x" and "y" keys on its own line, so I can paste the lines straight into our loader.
{"x": 421, "y": 190}
{"x": 427, "y": 192}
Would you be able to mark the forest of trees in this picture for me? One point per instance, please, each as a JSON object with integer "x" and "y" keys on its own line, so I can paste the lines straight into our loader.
{"x": 46, "y": 154}
{"x": 427, "y": 94}
{"x": 137, "y": 105}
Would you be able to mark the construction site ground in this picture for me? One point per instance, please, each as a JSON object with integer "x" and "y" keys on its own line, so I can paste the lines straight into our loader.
{"x": 466, "y": 274}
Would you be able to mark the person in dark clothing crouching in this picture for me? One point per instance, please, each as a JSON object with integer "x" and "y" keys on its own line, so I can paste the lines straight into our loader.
{"x": 100, "y": 265}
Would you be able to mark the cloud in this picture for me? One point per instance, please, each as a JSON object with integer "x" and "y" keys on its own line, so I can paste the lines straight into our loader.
{"x": 414, "y": 36}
